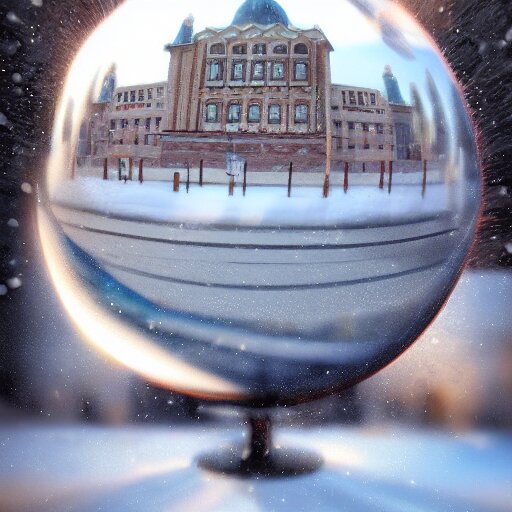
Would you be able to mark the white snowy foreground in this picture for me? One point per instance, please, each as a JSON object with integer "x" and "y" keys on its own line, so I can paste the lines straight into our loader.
{"x": 86, "y": 469}
{"x": 156, "y": 201}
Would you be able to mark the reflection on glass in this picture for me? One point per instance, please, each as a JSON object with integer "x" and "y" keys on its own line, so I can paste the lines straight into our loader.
{"x": 275, "y": 239}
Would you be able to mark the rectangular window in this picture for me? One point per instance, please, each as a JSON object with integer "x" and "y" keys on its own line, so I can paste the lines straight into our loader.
{"x": 124, "y": 123}
{"x": 215, "y": 73}
{"x": 344, "y": 96}
{"x": 136, "y": 122}
{"x": 352, "y": 97}
{"x": 159, "y": 92}
{"x": 148, "y": 105}
{"x": 360, "y": 98}
{"x": 238, "y": 71}
{"x": 380, "y": 128}
{"x": 258, "y": 71}
{"x": 301, "y": 114}
{"x": 381, "y": 146}
{"x": 148, "y": 123}
{"x": 136, "y": 140}
{"x": 278, "y": 71}
{"x": 234, "y": 113}
{"x": 150, "y": 94}
{"x": 158, "y": 120}
{"x": 159, "y": 105}
{"x": 113, "y": 124}
{"x": 254, "y": 114}
{"x": 125, "y": 97}
{"x": 301, "y": 71}
{"x": 212, "y": 113}
{"x": 274, "y": 114}
{"x": 366, "y": 146}
{"x": 366, "y": 128}
{"x": 119, "y": 97}
{"x": 240, "y": 49}
{"x": 351, "y": 125}
{"x": 373, "y": 98}
{"x": 351, "y": 146}
{"x": 141, "y": 95}
{"x": 132, "y": 96}
{"x": 259, "y": 49}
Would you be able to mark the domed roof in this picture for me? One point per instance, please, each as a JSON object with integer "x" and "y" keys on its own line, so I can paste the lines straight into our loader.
{"x": 262, "y": 12}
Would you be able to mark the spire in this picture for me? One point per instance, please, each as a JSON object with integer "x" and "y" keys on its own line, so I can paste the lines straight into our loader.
{"x": 186, "y": 31}
{"x": 392, "y": 87}
{"x": 109, "y": 86}
{"x": 261, "y": 12}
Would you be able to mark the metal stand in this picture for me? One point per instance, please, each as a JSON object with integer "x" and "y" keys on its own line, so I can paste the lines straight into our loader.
{"x": 259, "y": 459}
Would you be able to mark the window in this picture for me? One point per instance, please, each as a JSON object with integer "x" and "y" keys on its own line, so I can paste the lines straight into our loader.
{"x": 212, "y": 113}
{"x": 373, "y": 98}
{"x": 360, "y": 98}
{"x": 344, "y": 96}
{"x": 259, "y": 49}
{"x": 158, "y": 120}
{"x": 258, "y": 71}
{"x": 113, "y": 124}
{"x": 148, "y": 105}
{"x": 351, "y": 125}
{"x": 381, "y": 146}
{"x": 124, "y": 123}
{"x": 216, "y": 70}
{"x": 274, "y": 114}
{"x": 366, "y": 145}
{"x": 234, "y": 113}
{"x": 119, "y": 97}
{"x": 159, "y": 92}
{"x": 141, "y": 95}
{"x": 132, "y": 96}
{"x": 136, "y": 122}
{"x": 136, "y": 140}
{"x": 335, "y": 107}
{"x": 352, "y": 97}
{"x": 150, "y": 94}
{"x": 301, "y": 49}
{"x": 278, "y": 71}
{"x": 148, "y": 123}
{"x": 301, "y": 114}
{"x": 351, "y": 146}
{"x": 366, "y": 128}
{"x": 281, "y": 49}
{"x": 125, "y": 97}
{"x": 240, "y": 49}
{"x": 254, "y": 113}
{"x": 238, "y": 71}
{"x": 217, "y": 49}
{"x": 301, "y": 71}
{"x": 380, "y": 128}
{"x": 159, "y": 105}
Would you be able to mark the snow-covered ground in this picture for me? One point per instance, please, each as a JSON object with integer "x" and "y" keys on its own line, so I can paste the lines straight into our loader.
{"x": 269, "y": 205}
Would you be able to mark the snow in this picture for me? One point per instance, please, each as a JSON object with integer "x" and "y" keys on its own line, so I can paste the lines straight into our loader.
{"x": 269, "y": 205}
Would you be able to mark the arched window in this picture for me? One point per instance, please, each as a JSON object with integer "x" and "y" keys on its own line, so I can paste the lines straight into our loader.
{"x": 240, "y": 49}
{"x": 217, "y": 49}
{"x": 301, "y": 49}
{"x": 259, "y": 49}
{"x": 281, "y": 49}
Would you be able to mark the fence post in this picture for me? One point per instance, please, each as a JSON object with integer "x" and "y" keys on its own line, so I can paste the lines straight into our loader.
{"x": 345, "y": 178}
{"x": 201, "y": 164}
{"x": 390, "y": 184}
{"x": 382, "y": 171}
{"x": 188, "y": 177}
{"x": 290, "y": 174}
{"x": 176, "y": 186}
{"x": 130, "y": 174}
{"x": 105, "y": 169}
{"x": 424, "y": 188}
{"x": 231, "y": 186}
{"x": 141, "y": 170}
{"x": 245, "y": 177}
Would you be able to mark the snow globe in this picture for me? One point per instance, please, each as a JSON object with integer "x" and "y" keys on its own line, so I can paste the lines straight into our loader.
{"x": 258, "y": 205}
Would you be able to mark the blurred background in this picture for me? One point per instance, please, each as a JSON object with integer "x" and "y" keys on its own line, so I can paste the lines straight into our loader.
{"x": 458, "y": 376}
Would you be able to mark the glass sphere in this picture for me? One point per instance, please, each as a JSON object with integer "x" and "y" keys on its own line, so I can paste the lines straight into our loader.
{"x": 258, "y": 202}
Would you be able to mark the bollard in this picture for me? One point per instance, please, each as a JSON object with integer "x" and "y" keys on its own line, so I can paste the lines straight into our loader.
{"x": 382, "y": 171}
{"x": 231, "y": 186}
{"x": 390, "y": 184}
{"x": 290, "y": 174}
{"x": 176, "y": 186}
{"x": 326, "y": 186}
{"x": 119, "y": 169}
{"x": 141, "y": 170}
{"x": 245, "y": 177}
{"x": 345, "y": 178}
{"x": 105, "y": 169}
{"x": 130, "y": 173}
{"x": 364, "y": 166}
{"x": 201, "y": 164}
{"x": 188, "y": 177}
{"x": 424, "y": 188}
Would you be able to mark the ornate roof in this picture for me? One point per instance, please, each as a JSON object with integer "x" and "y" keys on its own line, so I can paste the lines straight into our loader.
{"x": 261, "y": 12}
